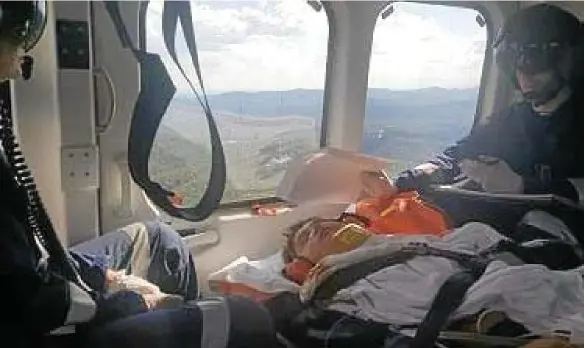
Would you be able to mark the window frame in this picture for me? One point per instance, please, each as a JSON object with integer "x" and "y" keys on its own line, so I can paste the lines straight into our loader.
{"x": 322, "y": 141}
{"x": 488, "y": 58}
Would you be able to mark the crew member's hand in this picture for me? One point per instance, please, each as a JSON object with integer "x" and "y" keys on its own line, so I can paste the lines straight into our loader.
{"x": 119, "y": 280}
{"x": 112, "y": 275}
{"x": 153, "y": 297}
{"x": 162, "y": 301}
{"x": 493, "y": 174}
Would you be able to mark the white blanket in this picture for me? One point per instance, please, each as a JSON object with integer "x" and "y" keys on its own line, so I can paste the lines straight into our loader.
{"x": 540, "y": 299}
{"x": 263, "y": 275}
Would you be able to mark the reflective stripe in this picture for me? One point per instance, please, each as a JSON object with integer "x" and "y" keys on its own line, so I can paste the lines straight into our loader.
{"x": 578, "y": 185}
{"x": 63, "y": 330}
{"x": 44, "y": 258}
{"x": 82, "y": 308}
{"x": 550, "y": 224}
{"x": 215, "y": 323}
{"x": 140, "y": 257}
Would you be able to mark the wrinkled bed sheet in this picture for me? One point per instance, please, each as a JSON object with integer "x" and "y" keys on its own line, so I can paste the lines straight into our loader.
{"x": 263, "y": 275}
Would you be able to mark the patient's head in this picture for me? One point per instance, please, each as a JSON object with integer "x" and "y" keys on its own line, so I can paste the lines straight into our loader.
{"x": 315, "y": 238}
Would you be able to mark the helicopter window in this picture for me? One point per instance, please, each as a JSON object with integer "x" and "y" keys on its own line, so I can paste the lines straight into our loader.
{"x": 263, "y": 66}
{"x": 424, "y": 79}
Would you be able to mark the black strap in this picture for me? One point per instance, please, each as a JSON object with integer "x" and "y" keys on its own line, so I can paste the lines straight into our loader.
{"x": 449, "y": 297}
{"x": 347, "y": 276}
{"x": 173, "y": 12}
{"x": 156, "y": 92}
{"x": 113, "y": 9}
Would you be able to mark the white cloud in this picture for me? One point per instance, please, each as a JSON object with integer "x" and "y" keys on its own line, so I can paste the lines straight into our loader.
{"x": 281, "y": 45}
{"x": 411, "y": 50}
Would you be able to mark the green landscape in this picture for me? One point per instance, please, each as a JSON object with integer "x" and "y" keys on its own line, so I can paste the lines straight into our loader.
{"x": 263, "y": 131}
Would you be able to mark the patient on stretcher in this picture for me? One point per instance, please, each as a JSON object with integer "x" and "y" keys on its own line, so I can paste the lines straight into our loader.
{"x": 531, "y": 295}
{"x": 539, "y": 299}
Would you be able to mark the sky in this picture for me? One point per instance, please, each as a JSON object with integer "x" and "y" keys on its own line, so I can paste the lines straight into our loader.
{"x": 273, "y": 45}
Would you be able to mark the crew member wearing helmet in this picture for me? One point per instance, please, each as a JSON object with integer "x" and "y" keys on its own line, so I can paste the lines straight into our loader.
{"x": 46, "y": 288}
{"x": 535, "y": 146}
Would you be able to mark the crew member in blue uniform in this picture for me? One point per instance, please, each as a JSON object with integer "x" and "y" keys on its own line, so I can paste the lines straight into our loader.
{"x": 536, "y": 145}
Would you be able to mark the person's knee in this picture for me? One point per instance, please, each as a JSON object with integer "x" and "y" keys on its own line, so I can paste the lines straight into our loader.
{"x": 162, "y": 231}
{"x": 167, "y": 245}
{"x": 172, "y": 266}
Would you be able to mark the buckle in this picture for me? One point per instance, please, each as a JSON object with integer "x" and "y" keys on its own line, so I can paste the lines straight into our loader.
{"x": 418, "y": 248}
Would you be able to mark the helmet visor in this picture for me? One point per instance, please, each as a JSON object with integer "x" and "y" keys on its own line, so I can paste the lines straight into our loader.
{"x": 528, "y": 58}
{"x": 23, "y": 23}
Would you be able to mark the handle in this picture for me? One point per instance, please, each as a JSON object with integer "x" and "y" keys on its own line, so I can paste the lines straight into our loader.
{"x": 102, "y": 128}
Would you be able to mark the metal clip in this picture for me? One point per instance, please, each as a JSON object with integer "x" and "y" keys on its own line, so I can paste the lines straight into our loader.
{"x": 417, "y": 248}
{"x": 544, "y": 173}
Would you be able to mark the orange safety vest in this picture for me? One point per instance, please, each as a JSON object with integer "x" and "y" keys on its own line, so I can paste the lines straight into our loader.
{"x": 403, "y": 213}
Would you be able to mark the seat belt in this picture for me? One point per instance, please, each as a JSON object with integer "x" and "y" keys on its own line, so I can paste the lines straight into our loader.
{"x": 156, "y": 93}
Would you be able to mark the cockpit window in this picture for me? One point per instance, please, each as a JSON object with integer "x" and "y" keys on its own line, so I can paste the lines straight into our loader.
{"x": 424, "y": 78}
{"x": 263, "y": 66}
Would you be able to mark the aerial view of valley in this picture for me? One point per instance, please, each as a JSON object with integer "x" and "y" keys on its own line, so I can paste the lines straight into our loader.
{"x": 263, "y": 131}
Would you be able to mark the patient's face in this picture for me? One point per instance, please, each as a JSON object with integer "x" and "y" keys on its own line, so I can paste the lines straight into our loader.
{"x": 319, "y": 238}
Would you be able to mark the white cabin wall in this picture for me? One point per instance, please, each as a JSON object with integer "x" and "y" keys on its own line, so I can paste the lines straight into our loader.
{"x": 77, "y": 108}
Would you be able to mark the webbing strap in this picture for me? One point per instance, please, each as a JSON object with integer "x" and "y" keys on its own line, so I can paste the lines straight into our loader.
{"x": 347, "y": 276}
{"x": 449, "y": 297}
{"x": 180, "y": 11}
{"x": 156, "y": 92}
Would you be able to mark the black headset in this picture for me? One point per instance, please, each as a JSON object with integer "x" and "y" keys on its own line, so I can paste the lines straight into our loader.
{"x": 22, "y": 22}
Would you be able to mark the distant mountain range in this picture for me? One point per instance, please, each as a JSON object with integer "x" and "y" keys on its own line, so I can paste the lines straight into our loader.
{"x": 260, "y": 130}
{"x": 381, "y": 104}
{"x": 433, "y": 116}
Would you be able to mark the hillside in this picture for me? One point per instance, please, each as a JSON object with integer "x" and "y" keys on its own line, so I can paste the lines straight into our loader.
{"x": 263, "y": 131}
